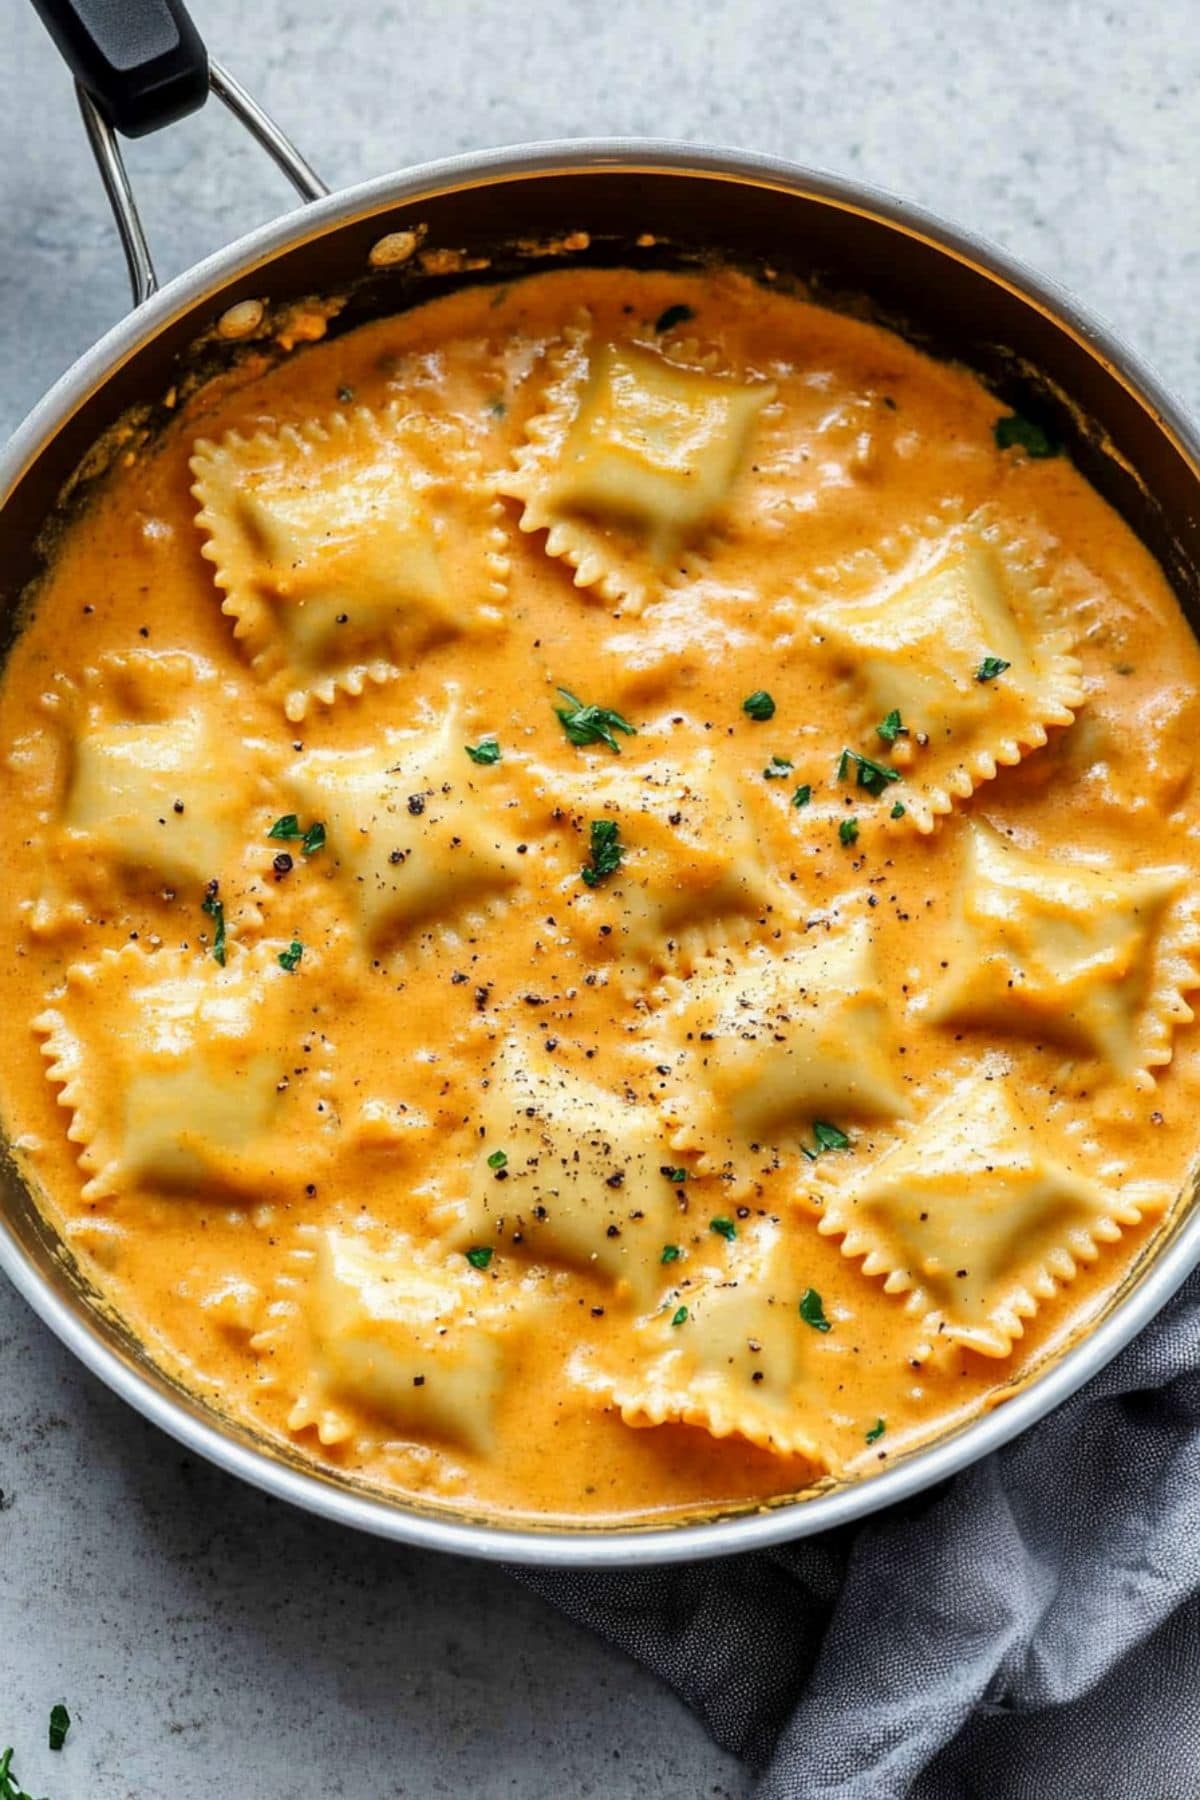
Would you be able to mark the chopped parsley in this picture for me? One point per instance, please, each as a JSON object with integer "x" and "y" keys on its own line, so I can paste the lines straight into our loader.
{"x": 591, "y": 724}
{"x": 289, "y": 959}
{"x": 803, "y": 794}
{"x": 215, "y": 908}
{"x": 1016, "y": 433}
{"x": 778, "y": 767}
{"x": 670, "y": 1253}
{"x": 876, "y": 1432}
{"x": 848, "y": 831}
{"x": 869, "y": 775}
{"x": 812, "y": 1310}
{"x": 990, "y": 667}
{"x": 759, "y": 705}
{"x": 673, "y": 1174}
{"x": 485, "y": 752}
{"x": 10, "y": 1789}
{"x": 679, "y": 314}
{"x": 498, "y": 1159}
{"x": 606, "y": 852}
{"x": 289, "y": 826}
{"x": 680, "y": 1316}
{"x": 829, "y": 1137}
{"x": 897, "y": 811}
{"x": 60, "y": 1724}
{"x": 724, "y": 1228}
{"x": 479, "y": 1256}
{"x": 891, "y": 728}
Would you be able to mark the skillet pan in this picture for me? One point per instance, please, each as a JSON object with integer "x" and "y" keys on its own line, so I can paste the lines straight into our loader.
{"x": 488, "y": 216}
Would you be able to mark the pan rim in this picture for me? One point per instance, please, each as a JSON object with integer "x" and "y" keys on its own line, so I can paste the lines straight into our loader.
{"x": 596, "y": 1546}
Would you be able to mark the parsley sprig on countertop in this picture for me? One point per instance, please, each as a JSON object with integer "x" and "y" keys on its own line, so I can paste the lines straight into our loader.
{"x": 10, "y": 1788}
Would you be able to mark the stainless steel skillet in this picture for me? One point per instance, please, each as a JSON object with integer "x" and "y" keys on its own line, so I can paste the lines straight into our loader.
{"x": 633, "y": 204}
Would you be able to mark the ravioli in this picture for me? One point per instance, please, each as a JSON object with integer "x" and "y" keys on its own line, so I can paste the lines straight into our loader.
{"x": 635, "y": 457}
{"x": 401, "y": 1337}
{"x": 1058, "y": 950}
{"x": 729, "y": 1352}
{"x": 569, "y": 1173}
{"x": 691, "y": 858}
{"x": 186, "y": 1078}
{"x": 550, "y": 1118}
{"x": 975, "y": 1221}
{"x": 415, "y": 831}
{"x": 965, "y": 651}
{"x": 346, "y": 545}
{"x": 765, "y": 1042}
{"x": 151, "y": 788}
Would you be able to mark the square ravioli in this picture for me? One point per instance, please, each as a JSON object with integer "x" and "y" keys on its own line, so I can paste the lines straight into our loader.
{"x": 977, "y": 1223}
{"x": 961, "y": 646}
{"x": 635, "y": 458}
{"x": 344, "y": 547}
{"x": 190, "y": 1078}
{"x": 1063, "y": 952}
{"x": 762, "y": 1043}
{"x": 151, "y": 789}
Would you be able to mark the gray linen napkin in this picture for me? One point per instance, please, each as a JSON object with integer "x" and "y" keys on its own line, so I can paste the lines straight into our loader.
{"x": 1027, "y": 1631}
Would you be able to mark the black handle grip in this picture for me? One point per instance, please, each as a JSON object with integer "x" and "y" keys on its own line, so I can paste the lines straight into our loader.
{"x": 142, "y": 61}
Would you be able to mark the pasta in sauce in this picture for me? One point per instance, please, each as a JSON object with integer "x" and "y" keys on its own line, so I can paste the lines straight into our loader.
{"x": 601, "y": 913}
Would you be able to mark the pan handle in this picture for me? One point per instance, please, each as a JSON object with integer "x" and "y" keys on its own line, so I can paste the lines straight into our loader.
{"x": 140, "y": 65}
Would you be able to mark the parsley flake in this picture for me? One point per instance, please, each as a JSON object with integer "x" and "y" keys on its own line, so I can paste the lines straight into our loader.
{"x": 479, "y": 1256}
{"x": 673, "y": 1174}
{"x": 759, "y": 705}
{"x": 848, "y": 831}
{"x": 870, "y": 775}
{"x": 990, "y": 667}
{"x": 724, "y": 1228}
{"x": 679, "y": 314}
{"x": 289, "y": 826}
{"x": 60, "y": 1724}
{"x": 485, "y": 752}
{"x": 670, "y": 1253}
{"x": 876, "y": 1432}
{"x": 803, "y": 794}
{"x": 10, "y": 1789}
{"x": 606, "y": 852}
{"x": 215, "y": 909}
{"x": 680, "y": 1316}
{"x": 591, "y": 724}
{"x": 812, "y": 1310}
{"x": 829, "y": 1137}
{"x": 289, "y": 959}
{"x": 891, "y": 728}
{"x": 1016, "y": 433}
{"x": 498, "y": 1159}
{"x": 778, "y": 767}
{"x": 897, "y": 811}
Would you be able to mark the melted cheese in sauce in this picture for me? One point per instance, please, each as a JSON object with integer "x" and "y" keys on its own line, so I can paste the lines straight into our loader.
{"x": 804, "y": 1132}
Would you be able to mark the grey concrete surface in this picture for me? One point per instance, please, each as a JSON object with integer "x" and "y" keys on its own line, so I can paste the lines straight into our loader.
{"x": 207, "y": 1640}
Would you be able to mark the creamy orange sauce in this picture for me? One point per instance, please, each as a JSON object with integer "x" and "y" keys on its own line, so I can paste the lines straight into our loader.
{"x": 860, "y": 458}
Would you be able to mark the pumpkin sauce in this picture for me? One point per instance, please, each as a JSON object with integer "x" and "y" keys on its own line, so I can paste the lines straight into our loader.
{"x": 605, "y": 936}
